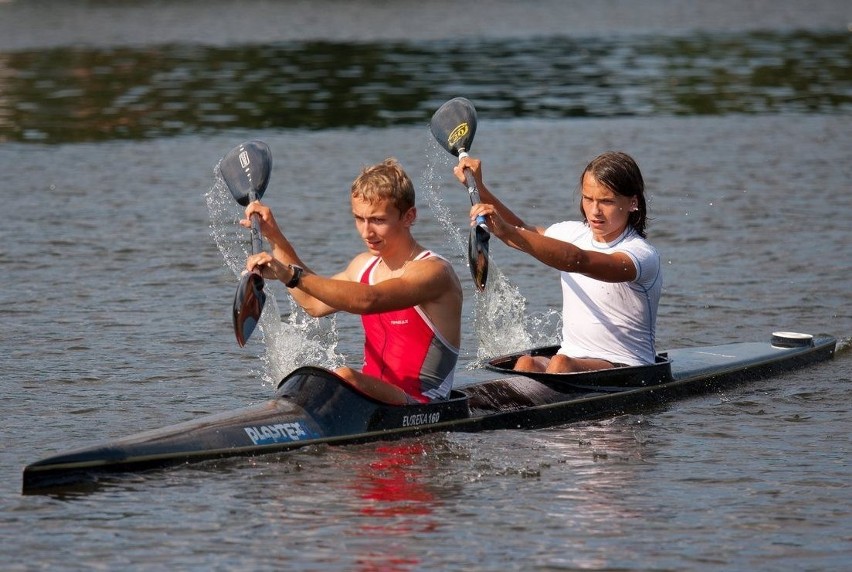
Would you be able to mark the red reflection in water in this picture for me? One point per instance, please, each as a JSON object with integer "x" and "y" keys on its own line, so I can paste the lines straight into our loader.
{"x": 392, "y": 483}
{"x": 396, "y": 505}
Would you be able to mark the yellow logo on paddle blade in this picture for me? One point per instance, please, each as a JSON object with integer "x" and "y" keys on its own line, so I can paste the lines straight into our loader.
{"x": 457, "y": 133}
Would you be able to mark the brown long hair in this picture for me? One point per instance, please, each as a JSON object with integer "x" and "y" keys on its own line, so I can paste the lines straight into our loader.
{"x": 619, "y": 173}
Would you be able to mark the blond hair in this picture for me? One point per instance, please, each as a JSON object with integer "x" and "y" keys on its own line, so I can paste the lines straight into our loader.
{"x": 385, "y": 181}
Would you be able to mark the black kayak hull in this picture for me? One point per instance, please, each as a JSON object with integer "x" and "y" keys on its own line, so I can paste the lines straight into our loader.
{"x": 313, "y": 406}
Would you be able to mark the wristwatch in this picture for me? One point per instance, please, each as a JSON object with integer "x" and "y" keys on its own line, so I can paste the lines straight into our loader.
{"x": 297, "y": 275}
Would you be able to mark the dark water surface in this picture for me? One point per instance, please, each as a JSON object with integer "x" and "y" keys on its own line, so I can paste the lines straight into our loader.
{"x": 118, "y": 251}
{"x": 60, "y": 95}
{"x": 593, "y": 65}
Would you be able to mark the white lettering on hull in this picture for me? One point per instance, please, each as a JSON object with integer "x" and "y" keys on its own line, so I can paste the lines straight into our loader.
{"x": 278, "y": 433}
{"x": 420, "y": 419}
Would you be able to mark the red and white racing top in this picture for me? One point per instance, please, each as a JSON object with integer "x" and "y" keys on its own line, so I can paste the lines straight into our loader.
{"x": 404, "y": 348}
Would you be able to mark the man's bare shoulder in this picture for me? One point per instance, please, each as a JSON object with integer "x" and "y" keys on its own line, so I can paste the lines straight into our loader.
{"x": 438, "y": 269}
{"x": 356, "y": 266}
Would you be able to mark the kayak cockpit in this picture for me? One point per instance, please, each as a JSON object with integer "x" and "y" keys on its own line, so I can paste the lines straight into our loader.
{"x": 608, "y": 380}
{"x": 333, "y": 402}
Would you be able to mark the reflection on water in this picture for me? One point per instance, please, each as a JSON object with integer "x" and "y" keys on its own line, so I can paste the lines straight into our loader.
{"x": 395, "y": 503}
{"x": 390, "y": 482}
{"x": 87, "y": 94}
{"x": 603, "y": 458}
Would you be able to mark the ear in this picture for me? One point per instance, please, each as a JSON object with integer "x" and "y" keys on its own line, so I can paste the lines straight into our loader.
{"x": 634, "y": 206}
{"x": 410, "y": 216}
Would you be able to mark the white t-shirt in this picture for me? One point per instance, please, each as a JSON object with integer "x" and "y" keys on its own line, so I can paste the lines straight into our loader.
{"x": 611, "y": 321}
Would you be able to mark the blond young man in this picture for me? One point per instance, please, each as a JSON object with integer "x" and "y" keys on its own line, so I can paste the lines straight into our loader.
{"x": 409, "y": 299}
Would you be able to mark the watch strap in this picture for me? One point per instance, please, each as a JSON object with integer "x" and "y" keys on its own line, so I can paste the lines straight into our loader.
{"x": 297, "y": 276}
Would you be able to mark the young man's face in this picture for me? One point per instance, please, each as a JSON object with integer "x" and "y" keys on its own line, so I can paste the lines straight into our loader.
{"x": 380, "y": 224}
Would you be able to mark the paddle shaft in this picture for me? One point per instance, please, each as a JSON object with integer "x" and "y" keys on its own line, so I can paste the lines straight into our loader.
{"x": 256, "y": 243}
{"x": 472, "y": 190}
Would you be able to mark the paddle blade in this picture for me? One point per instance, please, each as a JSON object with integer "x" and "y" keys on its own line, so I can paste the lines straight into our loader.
{"x": 248, "y": 305}
{"x": 477, "y": 255}
{"x": 246, "y": 170}
{"x": 454, "y": 125}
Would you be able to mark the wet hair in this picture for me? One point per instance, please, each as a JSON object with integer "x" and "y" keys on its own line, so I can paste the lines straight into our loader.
{"x": 619, "y": 173}
{"x": 383, "y": 181}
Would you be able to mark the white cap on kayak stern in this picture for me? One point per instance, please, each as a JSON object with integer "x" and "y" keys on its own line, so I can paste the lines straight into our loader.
{"x": 792, "y": 340}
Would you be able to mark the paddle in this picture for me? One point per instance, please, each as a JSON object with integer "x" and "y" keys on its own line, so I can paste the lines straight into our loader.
{"x": 454, "y": 125}
{"x": 246, "y": 170}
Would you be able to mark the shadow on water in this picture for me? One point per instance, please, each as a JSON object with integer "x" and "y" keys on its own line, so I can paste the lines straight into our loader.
{"x": 93, "y": 94}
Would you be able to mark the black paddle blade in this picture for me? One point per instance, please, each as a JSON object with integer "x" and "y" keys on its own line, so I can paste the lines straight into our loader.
{"x": 454, "y": 125}
{"x": 246, "y": 170}
{"x": 248, "y": 305}
{"x": 477, "y": 255}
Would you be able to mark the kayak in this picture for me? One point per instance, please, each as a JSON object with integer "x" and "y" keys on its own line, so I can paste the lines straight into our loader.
{"x": 312, "y": 405}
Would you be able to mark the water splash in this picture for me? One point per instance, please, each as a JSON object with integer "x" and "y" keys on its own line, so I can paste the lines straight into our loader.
{"x": 224, "y": 213}
{"x": 296, "y": 340}
{"x": 843, "y": 345}
{"x": 499, "y": 313}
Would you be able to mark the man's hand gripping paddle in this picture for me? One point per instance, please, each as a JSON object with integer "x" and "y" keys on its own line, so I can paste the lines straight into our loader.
{"x": 246, "y": 170}
{"x": 454, "y": 125}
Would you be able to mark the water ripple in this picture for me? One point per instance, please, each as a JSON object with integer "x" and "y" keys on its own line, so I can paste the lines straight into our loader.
{"x": 90, "y": 94}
